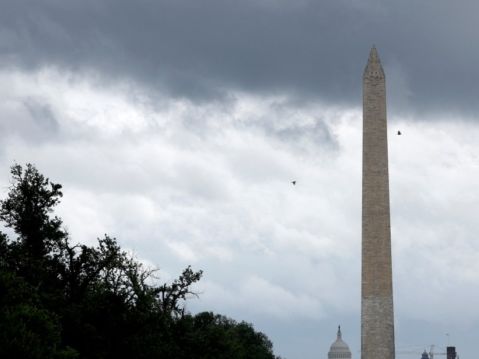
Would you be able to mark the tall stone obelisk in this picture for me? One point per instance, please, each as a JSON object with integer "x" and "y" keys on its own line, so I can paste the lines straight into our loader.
{"x": 377, "y": 316}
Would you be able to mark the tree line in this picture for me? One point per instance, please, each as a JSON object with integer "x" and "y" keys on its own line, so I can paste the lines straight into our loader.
{"x": 64, "y": 300}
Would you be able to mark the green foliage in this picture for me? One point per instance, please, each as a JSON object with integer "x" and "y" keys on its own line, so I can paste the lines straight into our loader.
{"x": 64, "y": 301}
{"x": 216, "y": 336}
{"x": 27, "y": 210}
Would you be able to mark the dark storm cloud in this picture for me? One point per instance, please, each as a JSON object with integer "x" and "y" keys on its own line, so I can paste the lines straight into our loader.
{"x": 200, "y": 49}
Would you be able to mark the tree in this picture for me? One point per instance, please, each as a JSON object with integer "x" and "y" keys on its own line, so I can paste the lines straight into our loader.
{"x": 65, "y": 301}
{"x": 27, "y": 210}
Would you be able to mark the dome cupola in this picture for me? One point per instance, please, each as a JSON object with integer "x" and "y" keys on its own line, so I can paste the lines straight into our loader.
{"x": 339, "y": 349}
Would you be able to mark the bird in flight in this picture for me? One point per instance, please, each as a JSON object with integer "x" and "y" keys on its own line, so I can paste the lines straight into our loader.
{"x": 399, "y": 133}
{"x": 294, "y": 183}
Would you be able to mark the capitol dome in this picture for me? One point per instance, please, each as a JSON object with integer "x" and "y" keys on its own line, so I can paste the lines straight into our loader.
{"x": 339, "y": 349}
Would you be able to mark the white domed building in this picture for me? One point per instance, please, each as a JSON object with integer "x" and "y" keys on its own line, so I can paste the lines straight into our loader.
{"x": 339, "y": 349}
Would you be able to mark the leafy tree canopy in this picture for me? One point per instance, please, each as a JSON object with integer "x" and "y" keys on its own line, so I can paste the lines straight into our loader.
{"x": 64, "y": 300}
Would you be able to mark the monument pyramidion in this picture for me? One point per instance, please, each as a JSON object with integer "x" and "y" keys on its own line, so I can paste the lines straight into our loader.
{"x": 377, "y": 314}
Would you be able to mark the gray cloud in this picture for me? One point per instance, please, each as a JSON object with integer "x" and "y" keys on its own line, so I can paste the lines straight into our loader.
{"x": 200, "y": 50}
{"x": 29, "y": 119}
{"x": 42, "y": 114}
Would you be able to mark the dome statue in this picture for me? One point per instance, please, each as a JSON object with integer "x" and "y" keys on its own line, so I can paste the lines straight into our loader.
{"x": 339, "y": 349}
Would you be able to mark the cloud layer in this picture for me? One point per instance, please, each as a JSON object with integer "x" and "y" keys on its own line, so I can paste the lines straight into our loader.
{"x": 308, "y": 49}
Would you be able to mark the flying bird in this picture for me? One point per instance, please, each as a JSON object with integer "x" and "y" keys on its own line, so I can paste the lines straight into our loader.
{"x": 294, "y": 183}
{"x": 399, "y": 133}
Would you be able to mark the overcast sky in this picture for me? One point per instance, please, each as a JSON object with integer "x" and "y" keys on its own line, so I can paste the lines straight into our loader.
{"x": 177, "y": 126}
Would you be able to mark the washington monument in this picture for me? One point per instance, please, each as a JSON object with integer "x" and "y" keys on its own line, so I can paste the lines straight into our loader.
{"x": 377, "y": 316}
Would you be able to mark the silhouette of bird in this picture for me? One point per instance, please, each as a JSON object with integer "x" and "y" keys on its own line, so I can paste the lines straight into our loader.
{"x": 294, "y": 183}
{"x": 399, "y": 133}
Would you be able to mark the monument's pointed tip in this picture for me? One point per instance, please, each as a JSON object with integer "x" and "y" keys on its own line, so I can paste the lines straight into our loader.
{"x": 373, "y": 54}
{"x": 374, "y": 67}
{"x": 339, "y": 332}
